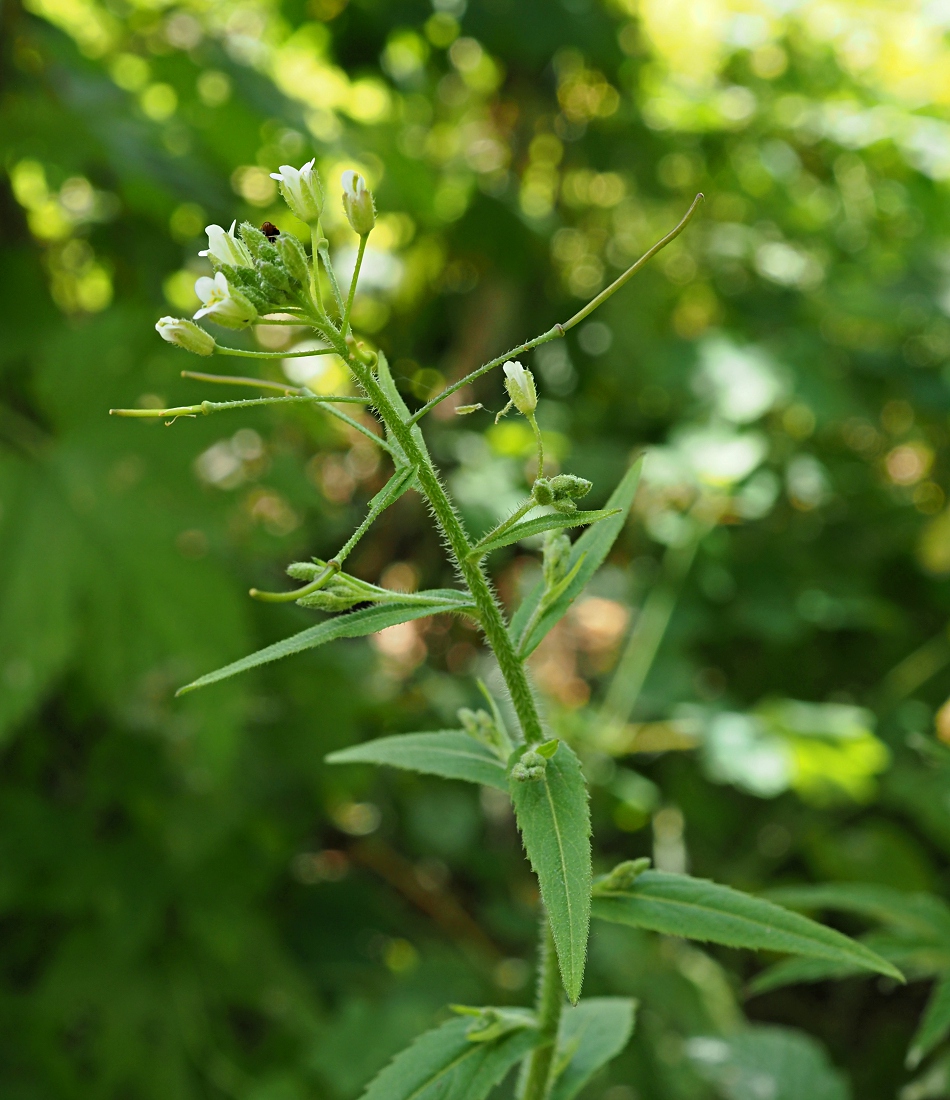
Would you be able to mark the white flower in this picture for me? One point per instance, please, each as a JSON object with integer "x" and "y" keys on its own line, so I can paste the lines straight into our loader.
{"x": 225, "y": 247}
{"x": 302, "y": 190}
{"x": 186, "y": 334}
{"x": 358, "y": 203}
{"x": 222, "y": 303}
{"x": 520, "y": 386}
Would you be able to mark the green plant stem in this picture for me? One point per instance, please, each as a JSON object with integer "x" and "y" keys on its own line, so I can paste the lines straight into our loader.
{"x": 219, "y": 350}
{"x": 560, "y": 330}
{"x": 345, "y": 325}
{"x": 324, "y": 247}
{"x": 645, "y": 638}
{"x": 532, "y": 420}
{"x": 316, "y": 291}
{"x": 265, "y": 384}
{"x": 548, "y": 1005}
{"x": 490, "y": 615}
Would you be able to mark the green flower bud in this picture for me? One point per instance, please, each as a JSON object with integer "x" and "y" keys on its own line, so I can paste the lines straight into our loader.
{"x": 557, "y": 557}
{"x": 253, "y": 238}
{"x": 521, "y": 389}
{"x": 570, "y": 486}
{"x": 302, "y": 190}
{"x": 623, "y": 876}
{"x": 274, "y": 279}
{"x": 294, "y": 258}
{"x": 530, "y": 768}
{"x": 358, "y": 204}
{"x": 186, "y": 334}
{"x": 542, "y": 491}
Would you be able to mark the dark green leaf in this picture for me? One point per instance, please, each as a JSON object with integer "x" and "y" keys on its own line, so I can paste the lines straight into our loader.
{"x": 935, "y": 1025}
{"x": 679, "y": 905}
{"x": 920, "y": 913}
{"x": 554, "y": 819}
{"x": 592, "y": 1033}
{"x": 445, "y": 1064}
{"x": 449, "y": 753}
{"x": 354, "y": 624}
{"x": 593, "y": 546}
{"x": 774, "y": 1062}
{"x": 537, "y": 526}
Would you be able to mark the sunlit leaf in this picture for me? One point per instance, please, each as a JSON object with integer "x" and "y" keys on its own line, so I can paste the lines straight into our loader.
{"x": 540, "y": 524}
{"x": 354, "y": 624}
{"x": 449, "y": 753}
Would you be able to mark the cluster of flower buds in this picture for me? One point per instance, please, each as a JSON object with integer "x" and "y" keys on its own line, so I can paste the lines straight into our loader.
{"x": 556, "y": 559}
{"x": 489, "y": 1024}
{"x": 623, "y": 876}
{"x": 533, "y": 763}
{"x": 483, "y": 727}
{"x": 561, "y": 491}
{"x": 341, "y": 591}
{"x": 257, "y": 272}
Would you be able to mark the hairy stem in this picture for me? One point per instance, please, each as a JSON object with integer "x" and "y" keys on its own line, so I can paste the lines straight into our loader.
{"x": 548, "y": 1004}
{"x": 345, "y": 324}
{"x": 490, "y": 615}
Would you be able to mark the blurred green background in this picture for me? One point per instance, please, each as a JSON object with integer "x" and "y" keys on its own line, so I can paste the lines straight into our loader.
{"x": 192, "y": 904}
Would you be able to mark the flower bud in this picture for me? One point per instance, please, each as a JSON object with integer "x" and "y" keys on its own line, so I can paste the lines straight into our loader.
{"x": 222, "y": 303}
{"x": 302, "y": 190}
{"x": 623, "y": 876}
{"x": 570, "y": 486}
{"x": 530, "y": 768}
{"x": 186, "y": 334}
{"x": 358, "y": 203}
{"x": 225, "y": 248}
{"x": 294, "y": 258}
{"x": 557, "y": 557}
{"x": 520, "y": 386}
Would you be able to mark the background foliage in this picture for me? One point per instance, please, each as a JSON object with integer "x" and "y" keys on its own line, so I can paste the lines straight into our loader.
{"x": 193, "y": 905}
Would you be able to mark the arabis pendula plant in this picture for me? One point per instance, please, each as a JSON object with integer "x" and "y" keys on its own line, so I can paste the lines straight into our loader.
{"x": 559, "y": 1042}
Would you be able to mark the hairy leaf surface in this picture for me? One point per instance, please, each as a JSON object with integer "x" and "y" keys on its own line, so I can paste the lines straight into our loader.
{"x": 354, "y": 624}
{"x": 449, "y": 753}
{"x": 554, "y": 819}
{"x": 593, "y": 546}
{"x": 445, "y": 1064}
{"x": 679, "y": 905}
{"x": 540, "y": 524}
{"x": 592, "y": 1033}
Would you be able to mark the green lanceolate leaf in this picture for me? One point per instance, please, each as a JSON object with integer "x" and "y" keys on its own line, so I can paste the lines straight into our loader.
{"x": 554, "y": 819}
{"x": 592, "y": 1033}
{"x": 922, "y": 914}
{"x": 354, "y": 624}
{"x": 696, "y": 909}
{"x": 447, "y": 1064}
{"x": 449, "y": 753}
{"x": 775, "y": 1062}
{"x": 935, "y": 1026}
{"x": 801, "y": 970}
{"x": 388, "y": 385}
{"x": 539, "y": 525}
{"x": 528, "y": 627}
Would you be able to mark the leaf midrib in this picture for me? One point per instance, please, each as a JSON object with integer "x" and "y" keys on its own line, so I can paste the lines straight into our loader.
{"x": 849, "y": 946}
{"x": 566, "y": 890}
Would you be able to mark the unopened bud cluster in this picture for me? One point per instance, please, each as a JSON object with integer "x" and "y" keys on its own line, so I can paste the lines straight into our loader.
{"x": 533, "y": 763}
{"x": 561, "y": 491}
{"x": 483, "y": 727}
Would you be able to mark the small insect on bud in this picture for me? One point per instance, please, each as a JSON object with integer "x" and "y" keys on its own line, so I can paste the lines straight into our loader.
{"x": 302, "y": 191}
{"x": 358, "y": 204}
{"x": 521, "y": 389}
{"x": 186, "y": 334}
{"x": 270, "y": 231}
